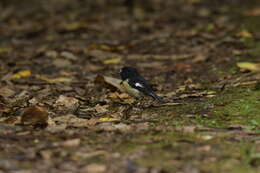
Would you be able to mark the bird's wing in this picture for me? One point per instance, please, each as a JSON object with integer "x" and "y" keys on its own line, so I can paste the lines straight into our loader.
{"x": 142, "y": 85}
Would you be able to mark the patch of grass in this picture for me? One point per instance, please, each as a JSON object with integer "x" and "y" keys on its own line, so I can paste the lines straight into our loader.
{"x": 236, "y": 106}
{"x": 244, "y": 109}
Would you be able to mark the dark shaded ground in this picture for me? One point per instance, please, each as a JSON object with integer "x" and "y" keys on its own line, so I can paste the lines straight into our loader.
{"x": 51, "y": 52}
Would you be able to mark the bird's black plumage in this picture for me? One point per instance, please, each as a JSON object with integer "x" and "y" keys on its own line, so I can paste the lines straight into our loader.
{"x": 137, "y": 82}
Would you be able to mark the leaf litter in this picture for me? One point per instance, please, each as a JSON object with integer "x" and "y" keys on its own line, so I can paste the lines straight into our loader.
{"x": 62, "y": 71}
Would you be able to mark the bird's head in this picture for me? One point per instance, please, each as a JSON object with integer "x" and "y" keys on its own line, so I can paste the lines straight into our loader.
{"x": 128, "y": 72}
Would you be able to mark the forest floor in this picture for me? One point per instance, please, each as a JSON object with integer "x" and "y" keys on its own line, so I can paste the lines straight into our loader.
{"x": 61, "y": 109}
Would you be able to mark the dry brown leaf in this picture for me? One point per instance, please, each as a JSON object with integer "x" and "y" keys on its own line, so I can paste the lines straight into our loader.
{"x": 108, "y": 126}
{"x": 11, "y": 120}
{"x": 169, "y": 104}
{"x": 94, "y": 168}
{"x": 101, "y": 109}
{"x": 67, "y": 103}
{"x": 186, "y": 129}
{"x": 46, "y": 154}
{"x": 205, "y": 148}
{"x": 109, "y": 80}
{"x": 72, "y": 120}
{"x": 253, "y": 12}
{"x": 6, "y": 92}
{"x": 69, "y": 143}
{"x": 122, "y": 96}
{"x": 34, "y": 115}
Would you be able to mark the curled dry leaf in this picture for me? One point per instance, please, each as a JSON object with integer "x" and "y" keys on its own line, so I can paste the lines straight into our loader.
{"x": 34, "y": 115}
{"x": 100, "y": 79}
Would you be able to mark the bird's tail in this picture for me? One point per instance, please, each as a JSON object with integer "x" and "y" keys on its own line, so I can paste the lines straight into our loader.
{"x": 156, "y": 97}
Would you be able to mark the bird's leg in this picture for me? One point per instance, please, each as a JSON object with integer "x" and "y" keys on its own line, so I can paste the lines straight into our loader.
{"x": 126, "y": 112}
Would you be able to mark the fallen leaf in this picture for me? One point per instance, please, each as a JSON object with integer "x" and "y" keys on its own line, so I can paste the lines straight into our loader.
{"x": 22, "y": 74}
{"x": 199, "y": 58}
{"x": 72, "y": 120}
{"x": 59, "y": 62}
{"x": 244, "y": 34}
{"x": 73, "y": 26}
{"x": 101, "y": 109}
{"x": 68, "y": 55}
{"x": 69, "y": 143}
{"x": 5, "y": 50}
{"x": 51, "y": 53}
{"x": 158, "y": 57}
{"x": 249, "y": 66}
{"x": 46, "y": 154}
{"x": 108, "y": 119}
{"x": 108, "y": 126}
{"x": 253, "y": 12}
{"x": 12, "y": 120}
{"x": 207, "y": 137}
{"x": 186, "y": 129}
{"x": 205, "y": 148}
{"x": 116, "y": 95}
{"x": 54, "y": 80}
{"x": 94, "y": 168}
{"x": 169, "y": 104}
{"x": 110, "y": 81}
{"x": 6, "y": 92}
{"x": 34, "y": 115}
{"x": 86, "y": 155}
{"x": 65, "y": 103}
{"x": 199, "y": 94}
{"x": 115, "y": 60}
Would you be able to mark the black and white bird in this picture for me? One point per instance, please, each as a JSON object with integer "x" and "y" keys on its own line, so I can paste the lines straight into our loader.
{"x": 135, "y": 85}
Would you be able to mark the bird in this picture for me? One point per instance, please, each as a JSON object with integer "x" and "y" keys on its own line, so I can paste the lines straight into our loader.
{"x": 135, "y": 85}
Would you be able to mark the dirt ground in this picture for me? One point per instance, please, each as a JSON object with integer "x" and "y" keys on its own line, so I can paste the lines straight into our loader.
{"x": 62, "y": 110}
